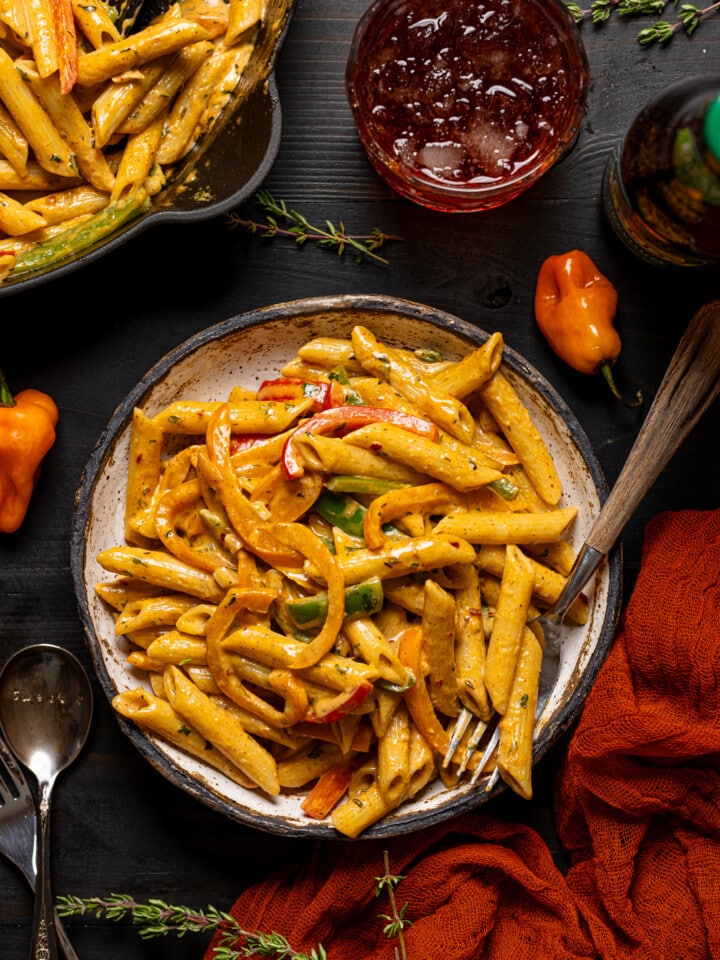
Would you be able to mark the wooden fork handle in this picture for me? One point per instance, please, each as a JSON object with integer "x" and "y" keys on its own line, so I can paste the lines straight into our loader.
{"x": 690, "y": 384}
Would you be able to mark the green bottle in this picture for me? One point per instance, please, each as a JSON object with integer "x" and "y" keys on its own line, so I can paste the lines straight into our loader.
{"x": 661, "y": 189}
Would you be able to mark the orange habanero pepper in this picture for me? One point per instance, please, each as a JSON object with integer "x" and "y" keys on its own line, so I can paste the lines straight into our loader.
{"x": 27, "y": 431}
{"x": 575, "y": 308}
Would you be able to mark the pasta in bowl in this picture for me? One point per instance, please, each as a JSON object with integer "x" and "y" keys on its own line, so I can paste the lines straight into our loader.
{"x": 310, "y": 541}
{"x": 112, "y": 121}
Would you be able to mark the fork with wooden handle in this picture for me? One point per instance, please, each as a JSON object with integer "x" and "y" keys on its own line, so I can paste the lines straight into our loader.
{"x": 691, "y": 382}
{"x": 18, "y": 830}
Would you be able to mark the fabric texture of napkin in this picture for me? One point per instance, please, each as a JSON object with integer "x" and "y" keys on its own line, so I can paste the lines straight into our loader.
{"x": 637, "y": 807}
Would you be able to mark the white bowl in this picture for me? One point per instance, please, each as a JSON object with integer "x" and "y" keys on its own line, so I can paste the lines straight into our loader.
{"x": 246, "y": 350}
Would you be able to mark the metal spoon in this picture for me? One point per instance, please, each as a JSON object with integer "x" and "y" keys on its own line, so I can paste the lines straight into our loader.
{"x": 45, "y": 713}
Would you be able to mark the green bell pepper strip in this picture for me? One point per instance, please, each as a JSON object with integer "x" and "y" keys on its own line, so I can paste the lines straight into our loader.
{"x": 504, "y": 488}
{"x": 76, "y": 239}
{"x": 396, "y": 687}
{"x": 351, "y": 397}
{"x": 373, "y": 486}
{"x": 348, "y": 514}
{"x": 341, "y": 511}
{"x": 361, "y": 600}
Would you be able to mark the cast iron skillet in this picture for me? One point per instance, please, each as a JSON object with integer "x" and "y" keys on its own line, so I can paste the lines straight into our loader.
{"x": 219, "y": 173}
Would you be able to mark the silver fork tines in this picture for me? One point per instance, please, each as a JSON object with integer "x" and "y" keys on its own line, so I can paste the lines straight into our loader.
{"x": 18, "y": 830}
{"x": 490, "y": 746}
{"x": 18, "y": 837}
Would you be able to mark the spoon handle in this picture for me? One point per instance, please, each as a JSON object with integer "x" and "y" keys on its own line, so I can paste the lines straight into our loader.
{"x": 44, "y": 935}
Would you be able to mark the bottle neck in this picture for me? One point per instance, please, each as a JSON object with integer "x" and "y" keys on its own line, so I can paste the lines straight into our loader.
{"x": 696, "y": 160}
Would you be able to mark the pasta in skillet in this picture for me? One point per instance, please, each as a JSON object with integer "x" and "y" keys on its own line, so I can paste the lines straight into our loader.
{"x": 320, "y": 575}
{"x": 93, "y": 122}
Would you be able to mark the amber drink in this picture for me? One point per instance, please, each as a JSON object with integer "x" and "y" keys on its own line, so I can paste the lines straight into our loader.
{"x": 462, "y": 105}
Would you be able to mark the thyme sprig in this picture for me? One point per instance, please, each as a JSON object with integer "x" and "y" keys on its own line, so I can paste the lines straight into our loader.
{"x": 301, "y": 230}
{"x": 688, "y": 16}
{"x": 396, "y": 920}
{"x": 157, "y": 919}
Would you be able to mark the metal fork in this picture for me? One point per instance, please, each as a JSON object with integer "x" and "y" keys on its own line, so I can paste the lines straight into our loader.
{"x": 690, "y": 384}
{"x": 18, "y": 830}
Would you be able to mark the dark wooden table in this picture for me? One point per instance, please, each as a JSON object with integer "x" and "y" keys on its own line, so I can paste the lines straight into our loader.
{"x": 87, "y": 338}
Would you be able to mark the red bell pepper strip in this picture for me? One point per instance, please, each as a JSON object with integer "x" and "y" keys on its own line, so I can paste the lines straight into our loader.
{"x": 343, "y": 420}
{"x": 63, "y": 22}
{"x": 328, "y": 790}
{"x": 243, "y": 441}
{"x": 295, "y": 388}
{"x": 330, "y": 709}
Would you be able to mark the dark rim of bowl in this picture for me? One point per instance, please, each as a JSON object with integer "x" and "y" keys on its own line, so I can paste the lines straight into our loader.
{"x": 563, "y": 716}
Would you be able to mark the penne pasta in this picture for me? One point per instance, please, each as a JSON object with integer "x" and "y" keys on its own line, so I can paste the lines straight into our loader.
{"x": 515, "y": 749}
{"x": 508, "y": 628}
{"x": 426, "y": 395}
{"x": 116, "y": 102}
{"x": 190, "y": 104}
{"x": 222, "y": 729}
{"x": 95, "y": 23}
{"x": 70, "y": 204}
{"x": 438, "y": 630}
{"x": 47, "y": 142}
{"x": 163, "y": 79}
{"x": 322, "y": 593}
{"x": 17, "y": 219}
{"x": 43, "y": 35}
{"x": 156, "y": 714}
{"x": 167, "y": 36}
{"x": 459, "y": 467}
{"x": 13, "y": 143}
{"x": 523, "y": 436}
{"x": 138, "y": 161}
{"x": 243, "y": 17}
{"x": 497, "y": 528}
{"x": 35, "y": 179}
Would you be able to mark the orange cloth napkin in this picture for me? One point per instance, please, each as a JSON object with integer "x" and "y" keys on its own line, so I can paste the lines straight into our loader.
{"x": 637, "y": 803}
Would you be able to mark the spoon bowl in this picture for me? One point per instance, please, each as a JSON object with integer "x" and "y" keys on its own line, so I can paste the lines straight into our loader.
{"x": 46, "y": 706}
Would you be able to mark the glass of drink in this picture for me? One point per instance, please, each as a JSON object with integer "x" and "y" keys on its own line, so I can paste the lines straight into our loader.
{"x": 462, "y": 105}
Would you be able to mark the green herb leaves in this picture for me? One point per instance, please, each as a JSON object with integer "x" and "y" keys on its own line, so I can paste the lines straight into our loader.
{"x": 688, "y": 16}
{"x": 301, "y": 230}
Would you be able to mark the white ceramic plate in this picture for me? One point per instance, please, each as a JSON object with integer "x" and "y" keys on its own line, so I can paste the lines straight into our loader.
{"x": 246, "y": 350}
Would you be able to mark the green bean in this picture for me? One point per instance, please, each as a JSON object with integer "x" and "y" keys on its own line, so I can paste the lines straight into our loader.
{"x": 81, "y": 237}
